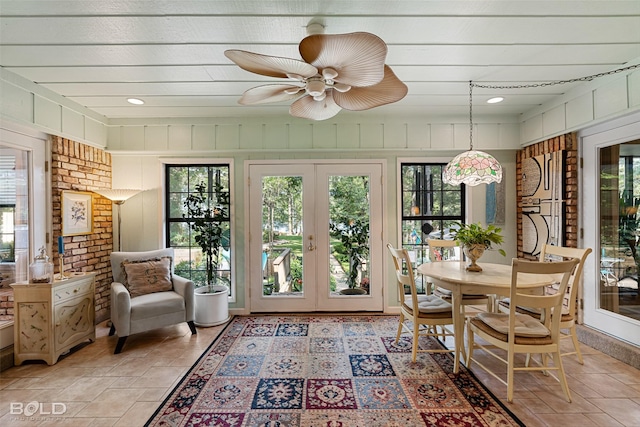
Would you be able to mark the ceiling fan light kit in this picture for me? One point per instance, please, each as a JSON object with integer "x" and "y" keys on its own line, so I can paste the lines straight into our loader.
{"x": 338, "y": 71}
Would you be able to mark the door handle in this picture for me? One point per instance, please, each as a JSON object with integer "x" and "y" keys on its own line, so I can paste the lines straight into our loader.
{"x": 311, "y": 247}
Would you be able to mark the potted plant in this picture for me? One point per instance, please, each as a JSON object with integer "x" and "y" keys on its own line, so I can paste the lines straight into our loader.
{"x": 207, "y": 214}
{"x": 475, "y": 239}
{"x": 354, "y": 239}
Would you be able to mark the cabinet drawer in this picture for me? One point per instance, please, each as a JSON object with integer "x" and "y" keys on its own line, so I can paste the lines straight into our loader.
{"x": 81, "y": 287}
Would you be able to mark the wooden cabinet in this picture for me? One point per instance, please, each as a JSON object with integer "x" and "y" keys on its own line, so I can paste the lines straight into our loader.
{"x": 51, "y": 318}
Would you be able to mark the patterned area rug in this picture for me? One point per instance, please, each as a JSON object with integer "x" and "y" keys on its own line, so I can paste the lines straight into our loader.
{"x": 317, "y": 370}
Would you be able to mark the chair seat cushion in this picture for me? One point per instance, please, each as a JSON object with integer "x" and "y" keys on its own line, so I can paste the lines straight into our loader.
{"x": 147, "y": 276}
{"x": 479, "y": 325}
{"x": 421, "y": 297}
{"x": 526, "y": 326}
{"x": 156, "y": 304}
{"x": 430, "y": 304}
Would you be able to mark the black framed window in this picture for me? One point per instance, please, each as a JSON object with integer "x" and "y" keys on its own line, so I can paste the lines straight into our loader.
{"x": 182, "y": 180}
{"x": 430, "y": 208}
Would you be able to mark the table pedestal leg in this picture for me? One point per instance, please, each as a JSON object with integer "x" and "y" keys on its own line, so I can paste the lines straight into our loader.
{"x": 458, "y": 327}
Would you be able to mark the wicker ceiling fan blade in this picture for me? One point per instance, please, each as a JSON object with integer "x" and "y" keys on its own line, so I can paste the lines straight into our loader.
{"x": 308, "y": 108}
{"x": 389, "y": 90}
{"x": 270, "y": 93}
{"x": 357, "y": 57}
{"x": 272, "y": 66}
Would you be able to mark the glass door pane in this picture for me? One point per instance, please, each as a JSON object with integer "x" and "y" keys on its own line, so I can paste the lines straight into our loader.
{"x": 620, "y": 229}
{"x": 349, "y": 234}
{"x": 282, "y": 235}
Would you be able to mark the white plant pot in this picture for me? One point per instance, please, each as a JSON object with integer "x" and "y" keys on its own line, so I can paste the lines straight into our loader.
{"x": 212, "y": 306}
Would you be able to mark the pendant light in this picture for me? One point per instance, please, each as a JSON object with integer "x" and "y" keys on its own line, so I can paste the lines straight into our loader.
{"x": 472, "y": 167}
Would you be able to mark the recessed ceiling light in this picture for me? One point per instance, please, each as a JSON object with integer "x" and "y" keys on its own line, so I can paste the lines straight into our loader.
{"x": 495, "y": 100}
{"x": 135, "y": 101}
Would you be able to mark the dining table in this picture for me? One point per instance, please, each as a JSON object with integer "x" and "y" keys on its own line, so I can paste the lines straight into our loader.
{"x": 494, "y": 279}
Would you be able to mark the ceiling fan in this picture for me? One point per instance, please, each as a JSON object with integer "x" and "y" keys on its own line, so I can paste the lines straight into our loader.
{"x": 338, "y": 71}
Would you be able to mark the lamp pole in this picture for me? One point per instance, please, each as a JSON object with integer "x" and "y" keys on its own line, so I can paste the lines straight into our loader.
{"x": 118, "y": 197}
{"x": 119, "y": 203}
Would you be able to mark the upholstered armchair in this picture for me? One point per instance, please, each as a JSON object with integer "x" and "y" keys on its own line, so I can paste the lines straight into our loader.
{"x": 145, "y": 294}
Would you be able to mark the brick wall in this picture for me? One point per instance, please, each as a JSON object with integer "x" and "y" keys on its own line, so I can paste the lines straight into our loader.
{"x": 6, "y": 304}
{"x": 80, "y": 167}
{"x": 566, "y": 142}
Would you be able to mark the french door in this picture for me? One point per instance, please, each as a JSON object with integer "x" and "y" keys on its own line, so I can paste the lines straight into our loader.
{"x": 315, "y": 237}
{"x": 611, "y": 202}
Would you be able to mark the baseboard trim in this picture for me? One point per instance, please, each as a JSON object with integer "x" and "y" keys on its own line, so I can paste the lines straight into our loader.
{"x": 609, "y": 345}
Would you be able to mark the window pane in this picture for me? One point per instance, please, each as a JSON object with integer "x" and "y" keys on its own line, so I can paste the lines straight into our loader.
{"x": 435, "y": 205}
{"x": 176, "y": 205}
{"x": 178, "y": 179}
{"x": 178, "y": 234}
{"x": 198, "y": 175}
{"x": 452, "y": 203}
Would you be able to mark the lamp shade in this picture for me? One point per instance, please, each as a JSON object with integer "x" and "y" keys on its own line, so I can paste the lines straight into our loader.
{"x": 117, "y": 195}
{"x": 472, "y": 168}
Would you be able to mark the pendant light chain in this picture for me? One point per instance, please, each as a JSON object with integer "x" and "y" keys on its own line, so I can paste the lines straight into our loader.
{"x": 471, "y": 115}
{"x": 557, "y": 82}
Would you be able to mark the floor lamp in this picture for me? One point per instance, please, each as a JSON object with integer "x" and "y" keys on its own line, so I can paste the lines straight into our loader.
{"x": 117, "y": 196}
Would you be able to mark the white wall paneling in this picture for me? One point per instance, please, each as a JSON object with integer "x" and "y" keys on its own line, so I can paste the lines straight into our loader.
{"x": 26, "y": 103}
{"x": 602, "y": 99}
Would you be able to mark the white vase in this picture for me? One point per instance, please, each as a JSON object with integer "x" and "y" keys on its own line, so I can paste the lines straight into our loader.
{"x": 212, "y": 305}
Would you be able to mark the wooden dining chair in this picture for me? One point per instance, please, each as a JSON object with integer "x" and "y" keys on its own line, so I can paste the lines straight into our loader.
{"x": 450, "y": 250}
{"x": 570, "y": 306}
{"x": 424, "y": 312}
{"x": 516, "y": 333}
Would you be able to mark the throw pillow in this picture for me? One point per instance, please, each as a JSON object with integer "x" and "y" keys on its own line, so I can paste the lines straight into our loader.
{"x": 147, "y": 276}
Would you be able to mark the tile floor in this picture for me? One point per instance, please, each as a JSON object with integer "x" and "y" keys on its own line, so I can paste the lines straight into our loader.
{"x": 103, "y": 389}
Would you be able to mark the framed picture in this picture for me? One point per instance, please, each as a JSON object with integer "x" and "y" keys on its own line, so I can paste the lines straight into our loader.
{"x": 77, "y": 213}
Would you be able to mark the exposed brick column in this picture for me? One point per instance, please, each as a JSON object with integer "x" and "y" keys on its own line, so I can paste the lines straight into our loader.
{"x": 80, "y": 167}
{"x": 567, "y": 142}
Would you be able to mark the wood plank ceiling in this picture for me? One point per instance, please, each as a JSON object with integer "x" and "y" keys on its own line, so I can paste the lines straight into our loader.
{"x": 171, "y": 53}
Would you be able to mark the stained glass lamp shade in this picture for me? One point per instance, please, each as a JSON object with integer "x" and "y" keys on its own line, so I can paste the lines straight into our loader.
{"x": 472, "y": 168}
